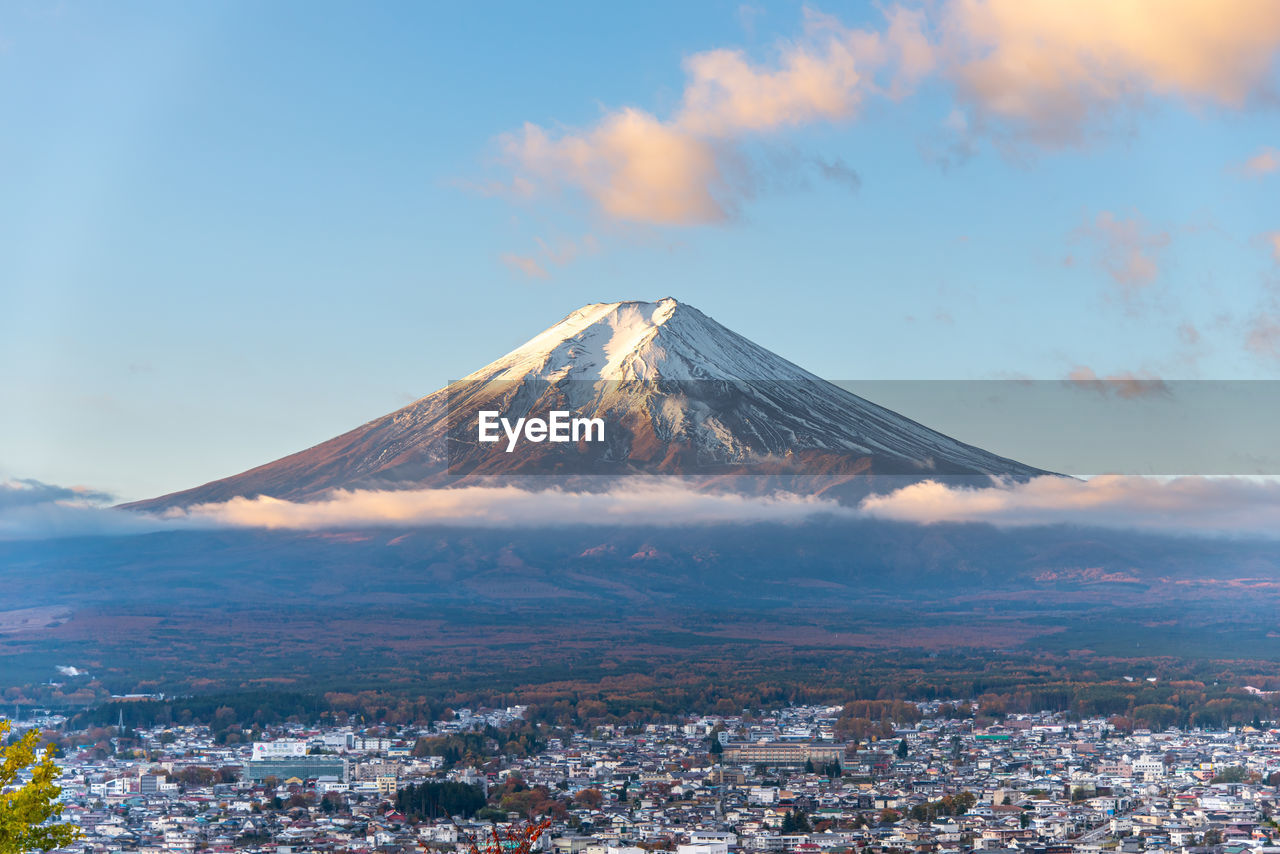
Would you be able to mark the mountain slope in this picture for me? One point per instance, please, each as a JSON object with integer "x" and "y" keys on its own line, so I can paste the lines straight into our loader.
{"x": 678, "y": 392}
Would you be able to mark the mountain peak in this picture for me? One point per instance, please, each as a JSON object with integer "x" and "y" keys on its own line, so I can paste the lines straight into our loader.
{"x": 639, "y": 340}
{"x": 596, "y": 341}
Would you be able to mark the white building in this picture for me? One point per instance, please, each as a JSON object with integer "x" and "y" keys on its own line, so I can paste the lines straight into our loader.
{"x": 729, "y": 840}
{"x": 703, "y": 848}
{"x": 1149, "y": 767}
{"x": 284, "y": 748}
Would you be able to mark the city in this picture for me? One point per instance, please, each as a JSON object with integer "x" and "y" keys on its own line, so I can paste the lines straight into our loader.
{"x": 939, "y": 778}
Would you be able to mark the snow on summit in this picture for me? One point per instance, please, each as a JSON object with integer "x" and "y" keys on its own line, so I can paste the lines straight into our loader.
{"x": 640, "y": 341}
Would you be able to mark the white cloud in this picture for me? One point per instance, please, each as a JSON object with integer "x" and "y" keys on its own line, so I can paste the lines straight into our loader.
{"x": 634, "y": 503}
{"x": 1184, "y": 505}
{"x": 32, "y": 509}
{"x": 1187, "y": 505}
{"x": 28, "y": 492}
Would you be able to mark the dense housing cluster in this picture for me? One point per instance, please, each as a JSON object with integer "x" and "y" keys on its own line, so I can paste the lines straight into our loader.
{"x": 801, "y": 779}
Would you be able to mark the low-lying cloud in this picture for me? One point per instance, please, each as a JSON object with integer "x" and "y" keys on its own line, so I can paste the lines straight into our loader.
{"x": 28, "y": 492}
{"x": 1195, "y": 505}
{"x": 660, "y": 503}
{"x": 32, "y": 509}
{"x": 1211, "y": 506}
{"x": 508, "y": 506}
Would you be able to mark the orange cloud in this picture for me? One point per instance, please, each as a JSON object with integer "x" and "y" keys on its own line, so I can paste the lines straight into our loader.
{"x": 550, "y": 254}
{"x": 1263, "y": 336}
{"x": 1266, "y": 161}
{"x": 1044, "y": 70}
{"x": 633, "y": 166}
{"x": 525, "y": 264}
{"x": 824, "y": 78}
{"x": 1040, "y": 71}
{"x": 1125, "y": 384}
{"x": 687, "y": 169}
{"x": 1126, "y": 249}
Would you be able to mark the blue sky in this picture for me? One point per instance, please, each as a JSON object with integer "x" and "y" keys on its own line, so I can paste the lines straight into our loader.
{"x": 233, "y": 230}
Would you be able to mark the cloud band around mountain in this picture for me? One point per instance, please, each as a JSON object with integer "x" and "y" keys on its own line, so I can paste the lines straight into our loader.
{"x": 1184, "y": 505}
{"x": 1209, "y": 506}
{"x": 650, "y": 503}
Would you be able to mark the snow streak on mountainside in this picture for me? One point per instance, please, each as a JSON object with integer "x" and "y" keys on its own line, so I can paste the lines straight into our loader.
{"x": 681, "y": 395}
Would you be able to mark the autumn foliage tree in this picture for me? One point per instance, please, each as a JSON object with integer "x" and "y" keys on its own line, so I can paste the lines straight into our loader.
{"x": 28, "y": 808}
{"x": 590, "y": 798}
{"x": 516, "y": 839}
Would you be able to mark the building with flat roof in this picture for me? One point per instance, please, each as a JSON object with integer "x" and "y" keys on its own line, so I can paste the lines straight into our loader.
{"x": 299, "y": 767}
{"x": 783, "y": 753}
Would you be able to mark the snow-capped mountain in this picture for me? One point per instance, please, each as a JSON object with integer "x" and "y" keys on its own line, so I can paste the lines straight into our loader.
{"x": 678, "y": 393}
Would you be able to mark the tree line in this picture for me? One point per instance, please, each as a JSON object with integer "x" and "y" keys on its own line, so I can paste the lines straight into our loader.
{"x": 1212, "y": 700}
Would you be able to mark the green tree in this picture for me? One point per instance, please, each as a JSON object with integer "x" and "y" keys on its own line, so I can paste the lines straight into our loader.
{"x": 27, "y": 809}
{"x": 903, "y": 750}
{"x": 1234, "y": 774}
{"x": 436, "y": 799}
